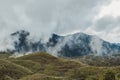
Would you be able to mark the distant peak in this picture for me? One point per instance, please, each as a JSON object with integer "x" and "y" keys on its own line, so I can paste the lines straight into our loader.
{"x": 20, "y": 32}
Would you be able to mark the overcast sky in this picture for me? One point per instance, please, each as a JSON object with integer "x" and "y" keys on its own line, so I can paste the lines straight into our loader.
{"x": 44, "y": 17}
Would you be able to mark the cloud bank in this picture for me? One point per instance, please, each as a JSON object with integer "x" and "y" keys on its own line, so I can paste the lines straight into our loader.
{"x": 44, "y": 17}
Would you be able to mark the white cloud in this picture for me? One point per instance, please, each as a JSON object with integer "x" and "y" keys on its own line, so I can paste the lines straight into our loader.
{"x": 44, "y": 17}
{"x": 112, "y": 9}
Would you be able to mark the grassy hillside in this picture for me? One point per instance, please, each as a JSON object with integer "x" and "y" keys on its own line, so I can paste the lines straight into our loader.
{"x": 11, "y": 70}
{"x": 42, "y": 66}
{"x": 103, "y": 61}
{"x": 46, "y": 64}
{"x": 4, "y": 55}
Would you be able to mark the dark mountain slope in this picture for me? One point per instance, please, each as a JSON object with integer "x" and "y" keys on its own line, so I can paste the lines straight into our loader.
{"x": 78, "y": 44}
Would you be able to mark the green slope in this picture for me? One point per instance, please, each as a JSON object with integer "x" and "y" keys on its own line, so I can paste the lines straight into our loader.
{"x": 42, "y": 66}
{"x": 11, "y": 70}
{"x": 45, "y": 63}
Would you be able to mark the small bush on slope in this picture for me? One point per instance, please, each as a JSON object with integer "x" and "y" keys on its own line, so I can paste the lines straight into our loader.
{"x": 75, "y": 75}
{"x": 109, "y": 75}
{"x": 6, "y": 78}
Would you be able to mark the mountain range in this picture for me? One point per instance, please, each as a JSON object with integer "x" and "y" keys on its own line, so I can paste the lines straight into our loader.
{"x": 73, "y": 45}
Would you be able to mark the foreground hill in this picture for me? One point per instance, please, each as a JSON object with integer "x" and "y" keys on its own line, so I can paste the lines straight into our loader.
{"x": 12, "y": 71}
{"x": 42, "y": 66}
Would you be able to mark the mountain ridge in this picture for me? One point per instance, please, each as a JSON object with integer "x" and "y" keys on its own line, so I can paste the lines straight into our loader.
{"x": 72, "y": 45}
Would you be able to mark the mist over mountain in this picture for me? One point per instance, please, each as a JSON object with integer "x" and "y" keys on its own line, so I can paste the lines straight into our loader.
{"x": 73, "y": 45}
{"x": 24, "y": 44}
{"x": 80, "y": 44}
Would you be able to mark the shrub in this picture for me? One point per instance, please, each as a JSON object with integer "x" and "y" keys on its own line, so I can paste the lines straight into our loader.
{"x": 75, "y": 75}
{"x": 109, "y": 75}
{"x": 49, "y": 70}
{"x": 92, "y": 78}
